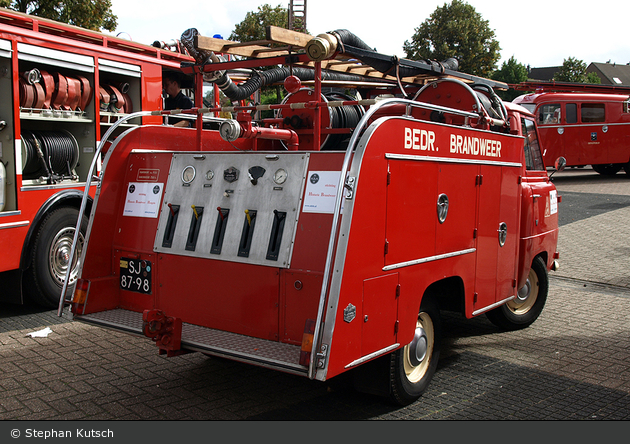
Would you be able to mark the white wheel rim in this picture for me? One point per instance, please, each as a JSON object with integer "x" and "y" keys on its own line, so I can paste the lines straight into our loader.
{"x": 417, "y": 354}
{"x": 526, "y": 296}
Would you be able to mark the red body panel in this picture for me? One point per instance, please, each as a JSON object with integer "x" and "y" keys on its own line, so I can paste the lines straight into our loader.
{"x": 396, "y": 224}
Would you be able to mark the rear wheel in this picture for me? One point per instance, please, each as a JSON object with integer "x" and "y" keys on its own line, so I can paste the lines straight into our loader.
{"x": 413, "y": 366}
{"x": 530, "y": 300}
{"x": 608, "y": 169}
{"x": 50, "y": 257}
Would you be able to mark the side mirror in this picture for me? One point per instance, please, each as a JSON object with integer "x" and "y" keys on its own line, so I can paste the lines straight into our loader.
{"x": 561, "y": 162}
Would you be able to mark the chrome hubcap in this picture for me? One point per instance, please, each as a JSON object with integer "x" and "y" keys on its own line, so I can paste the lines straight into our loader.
{"x": 417, "y": 354}
{"x": 59, "y": 256}
{"x": 525, "y": 291}
{"x": 418, "y": 347}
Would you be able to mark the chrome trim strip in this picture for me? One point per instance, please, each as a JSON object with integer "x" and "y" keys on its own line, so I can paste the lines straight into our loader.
{"x": 429, "y": 259}
{"x": 576, "y": 125}
{"x": 80, "y": 185}
{"x": 14, "y": 224}
{"x": 450, "y": 160}
{"x": 372, "y": 355}
{"x": 490, "y": 307}
{"x": 10, "y": 213}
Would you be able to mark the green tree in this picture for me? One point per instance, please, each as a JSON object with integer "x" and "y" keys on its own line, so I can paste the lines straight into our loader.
{"x": 90, "y": 14}
{"x": 510, "y": 72}
{"x": 456, "y": 30}
{"x": 574, "y": 70}
{"x": 253, "y": 27}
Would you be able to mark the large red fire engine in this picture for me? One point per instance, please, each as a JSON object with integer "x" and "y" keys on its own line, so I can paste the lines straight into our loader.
{"x": 326, "y": 238}
{"x": 63, "y": 88}
{"x": 586, "y": 124}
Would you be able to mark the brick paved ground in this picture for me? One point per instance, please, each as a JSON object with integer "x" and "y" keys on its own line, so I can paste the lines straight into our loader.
{"x": 573, "y": 363}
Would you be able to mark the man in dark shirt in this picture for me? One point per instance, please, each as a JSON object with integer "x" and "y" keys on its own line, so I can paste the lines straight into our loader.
{"x": 176, "y": 99}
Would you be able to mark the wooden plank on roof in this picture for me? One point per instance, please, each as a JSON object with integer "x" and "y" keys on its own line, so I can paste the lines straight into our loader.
{"x": 246, "y": 49}
{"x": 287, "y": 36}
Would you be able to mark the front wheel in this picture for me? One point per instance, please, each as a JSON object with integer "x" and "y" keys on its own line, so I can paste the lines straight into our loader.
{"x": 50, "y": 257}
{"x": 523, "y": 310}
{"x": 413, "y": 366}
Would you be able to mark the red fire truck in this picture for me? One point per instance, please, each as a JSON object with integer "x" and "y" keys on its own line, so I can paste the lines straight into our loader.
{"x": 323, "y": 240}
{"x": 586, "y": 124}
{"x": 64, "y": 87}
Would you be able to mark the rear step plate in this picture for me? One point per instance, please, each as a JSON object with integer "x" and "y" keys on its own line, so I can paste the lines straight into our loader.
{"x": 242, "y": 348}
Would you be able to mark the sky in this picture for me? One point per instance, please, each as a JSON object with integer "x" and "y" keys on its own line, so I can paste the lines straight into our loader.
{"x": 538, "y": 33}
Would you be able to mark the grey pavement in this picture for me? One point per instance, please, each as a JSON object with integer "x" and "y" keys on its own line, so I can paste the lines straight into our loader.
{"x": 573, "y": 363}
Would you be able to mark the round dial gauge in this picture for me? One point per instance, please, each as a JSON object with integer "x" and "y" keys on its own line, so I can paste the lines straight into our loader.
{"x": 188, "y": 174}
{"x": 209, "y": 174}
{"x": 280, "y": 176}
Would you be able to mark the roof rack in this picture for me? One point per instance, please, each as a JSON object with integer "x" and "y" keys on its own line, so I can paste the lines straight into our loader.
{"x": 283, "y": 46}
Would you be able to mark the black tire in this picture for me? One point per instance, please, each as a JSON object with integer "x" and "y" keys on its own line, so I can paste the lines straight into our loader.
{"x": 44, "y": 279}
{"x": 412, "y": 367}
{"x": 522, "y": 311}
{"x": 609, "y": 169}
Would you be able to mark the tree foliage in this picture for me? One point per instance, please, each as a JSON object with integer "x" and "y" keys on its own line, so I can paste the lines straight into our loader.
{"x": 253, "y": 27}
{"x": 456, "y": 30}
{"x": 574, "y": 70}
{"x": 510, "y": 72}
{"x": 90, "y": 14}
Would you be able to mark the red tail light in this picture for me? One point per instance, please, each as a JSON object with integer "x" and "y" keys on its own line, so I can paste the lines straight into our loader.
{"x": 80, "y": 296}
{"x": 307, "y": 342}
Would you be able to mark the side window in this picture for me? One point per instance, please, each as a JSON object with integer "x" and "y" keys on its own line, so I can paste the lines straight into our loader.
{"x": 571, "y": 110}
{"x": 533, "y": 157}
{"x": 593, "y": 112}
{"x": 549, "y": 114}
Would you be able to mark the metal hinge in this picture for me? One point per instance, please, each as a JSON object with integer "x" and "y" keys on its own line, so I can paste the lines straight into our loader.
{"x": 322, "y": 356}
{"x": 479, "y": 179}
{"x": 349, "y": 187}
{"x": 398, "y": 290}
{"x": 386, "y": 250}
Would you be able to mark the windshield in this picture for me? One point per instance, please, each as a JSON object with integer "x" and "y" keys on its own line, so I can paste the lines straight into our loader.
{"x": 529, "y": 107}
{"x": 533, "y": 156}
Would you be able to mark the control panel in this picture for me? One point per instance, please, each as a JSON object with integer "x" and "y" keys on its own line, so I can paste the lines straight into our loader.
{"x": 240, "y": 207}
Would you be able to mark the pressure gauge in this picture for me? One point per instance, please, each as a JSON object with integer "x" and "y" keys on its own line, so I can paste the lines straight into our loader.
{"x": 188, "y": 174}
{"x": 209, "y": 175}
{"x": 280, "y": 176}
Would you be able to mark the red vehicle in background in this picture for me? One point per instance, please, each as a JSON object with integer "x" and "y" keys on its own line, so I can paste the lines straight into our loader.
{"x": 62, "y": 88}
{"x": 323, "y": 240}
{"x": 586, "y": 124}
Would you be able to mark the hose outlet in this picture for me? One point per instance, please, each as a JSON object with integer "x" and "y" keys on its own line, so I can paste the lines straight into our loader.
{"x": 321, "y": 47}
